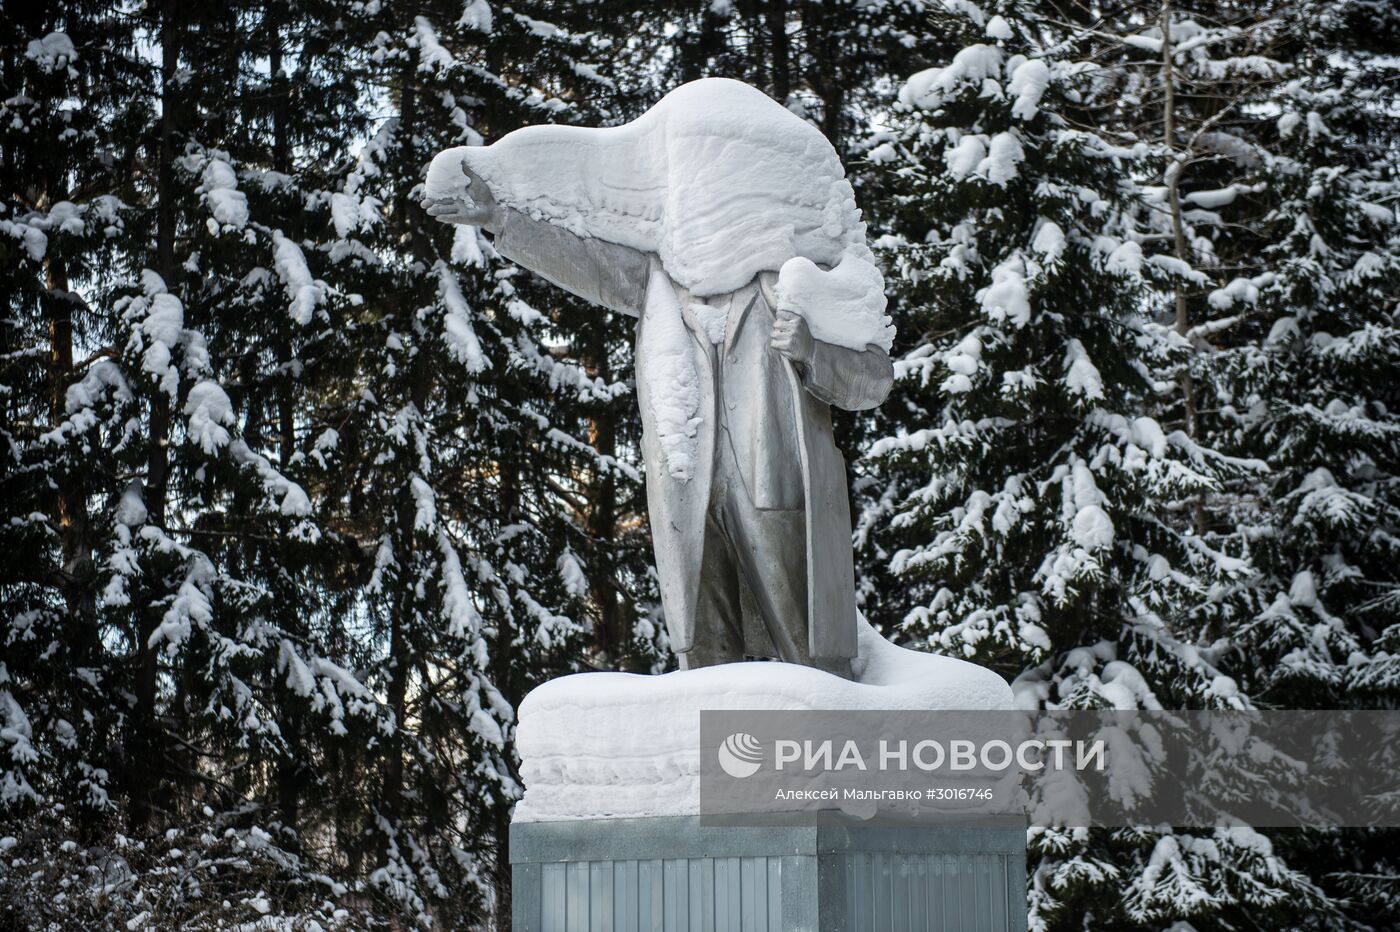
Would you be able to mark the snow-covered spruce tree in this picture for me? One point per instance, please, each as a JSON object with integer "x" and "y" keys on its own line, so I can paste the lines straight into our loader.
{"x": 1028, "y": 509}
{"x": 60, "y": 224}
{"x": 1302, "y": 228}
{"x": 295, "y": 701}
{"x": 1025, "y": 467}
{"x": 1278, "y": 180}
{"x": 206, "y": 609}
{"x": 1300, "y": 237}
{"x": 314, "y": 506}
{"x": 608, "y": 76}
{"x": 462, "y": 461}
{"x": 156, "y": 758}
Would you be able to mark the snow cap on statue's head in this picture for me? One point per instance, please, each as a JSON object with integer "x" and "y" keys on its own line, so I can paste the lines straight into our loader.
{"x": 717, "y": 179}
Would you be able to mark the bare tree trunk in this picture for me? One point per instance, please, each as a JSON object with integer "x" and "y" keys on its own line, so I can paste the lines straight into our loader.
{"x": 776, "y": 15}
{"x": 396, "y": 692}
{"x": 149, "y": 756}
{"x": 75, "y": 532}
{"x": 696, "y": 53}
{"x": 600, "y": 521}
{"x": 1173, "y": 179}
{"x": 291, "y": 768}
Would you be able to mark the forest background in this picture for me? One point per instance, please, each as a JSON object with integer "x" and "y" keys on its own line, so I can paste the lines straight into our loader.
{"x": 303, "y": 491}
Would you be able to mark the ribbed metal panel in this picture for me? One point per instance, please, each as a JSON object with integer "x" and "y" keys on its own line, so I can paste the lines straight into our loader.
{"x": 743, "y": 894}
{"x": 927, "y": 892}
{"x": 672, "y": 875}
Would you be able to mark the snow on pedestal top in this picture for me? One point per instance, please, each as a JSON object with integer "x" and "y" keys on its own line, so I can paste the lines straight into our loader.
{"x": 717, "y": 180}
{"x": 623, "y": 745}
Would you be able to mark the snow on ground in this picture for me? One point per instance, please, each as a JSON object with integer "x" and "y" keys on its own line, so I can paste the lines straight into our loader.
{"x": 617, "y": 745}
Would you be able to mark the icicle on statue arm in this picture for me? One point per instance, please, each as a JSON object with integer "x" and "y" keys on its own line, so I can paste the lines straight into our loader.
{"x": 726, "y": 225}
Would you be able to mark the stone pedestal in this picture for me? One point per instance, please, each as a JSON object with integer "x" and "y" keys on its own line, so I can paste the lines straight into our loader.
{"x": 675, "y": 875}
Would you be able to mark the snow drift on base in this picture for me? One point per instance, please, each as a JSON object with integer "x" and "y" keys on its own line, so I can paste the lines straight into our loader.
{"x": 622, "y": 745}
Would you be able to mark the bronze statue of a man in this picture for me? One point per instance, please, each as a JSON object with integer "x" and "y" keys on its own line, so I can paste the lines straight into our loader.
{"x": 746, "y": 490}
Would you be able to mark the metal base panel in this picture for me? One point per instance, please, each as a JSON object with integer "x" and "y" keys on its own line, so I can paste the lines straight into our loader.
{"x": 675, "y": 875}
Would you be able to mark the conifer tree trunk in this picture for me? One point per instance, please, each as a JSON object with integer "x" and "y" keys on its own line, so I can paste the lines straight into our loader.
{"x": 824, "y": 51}
{"x": 1179, "y": 247}
{"x": 502, "y": 663}
{"x": 601, "y": 521}
{"x": 290, "y": 767}
{"x": 148, "y": 759}
{"x": 75, "y": 579}
{"x": 399, "y": 664}
{"x": 602, "y": 531}
{"x": 75, "y": 536}
{"x": 1183, "y": 321}
{"x": 776, "y": 15}
{"x": 695, "y": 54}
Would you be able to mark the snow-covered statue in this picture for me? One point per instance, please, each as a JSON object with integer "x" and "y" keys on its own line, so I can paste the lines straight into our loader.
{"x": 725, "y": 224}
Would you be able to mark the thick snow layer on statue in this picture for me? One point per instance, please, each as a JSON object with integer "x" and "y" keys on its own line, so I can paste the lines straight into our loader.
{"x": 845, "y": 306}
{"x": 670, "y": 385}
{"x": 717, "y": 180}
{"x": 619, "y": 745}
{"x": 720, "y": 183}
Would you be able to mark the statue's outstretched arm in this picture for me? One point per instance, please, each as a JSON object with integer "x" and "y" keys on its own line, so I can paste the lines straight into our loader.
{"x": 596, "y": 270}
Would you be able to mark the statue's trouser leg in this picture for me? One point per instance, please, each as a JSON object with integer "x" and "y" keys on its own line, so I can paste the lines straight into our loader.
{"x": 770, "y": 547}
{"x": 719, "y": 629}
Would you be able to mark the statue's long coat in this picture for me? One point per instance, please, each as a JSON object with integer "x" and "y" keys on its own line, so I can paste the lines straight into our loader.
{"x": 778, "y": 418}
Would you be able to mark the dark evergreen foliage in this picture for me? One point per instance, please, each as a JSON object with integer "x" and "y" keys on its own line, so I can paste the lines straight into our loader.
{"x": 303, "y": 491}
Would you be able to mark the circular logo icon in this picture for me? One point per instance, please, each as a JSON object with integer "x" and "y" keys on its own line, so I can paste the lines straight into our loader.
{"x": 740, "y": 755}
